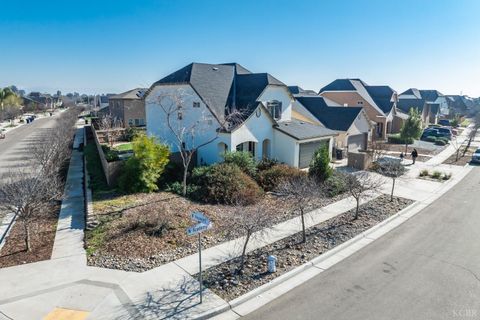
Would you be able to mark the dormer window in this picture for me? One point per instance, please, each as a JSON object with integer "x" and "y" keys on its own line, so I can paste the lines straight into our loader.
{"x": 275, "y": 109}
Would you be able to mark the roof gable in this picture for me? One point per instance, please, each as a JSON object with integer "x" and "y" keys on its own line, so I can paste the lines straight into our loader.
{"x": 383, "y": 97}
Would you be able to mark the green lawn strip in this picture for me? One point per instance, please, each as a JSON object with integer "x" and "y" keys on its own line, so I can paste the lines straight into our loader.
{"x": 124, "y": 147}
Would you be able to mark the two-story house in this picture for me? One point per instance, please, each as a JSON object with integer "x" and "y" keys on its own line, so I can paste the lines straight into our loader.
{"x": 129, "y": 107}
{"x": 431, "y": 104}
{"x": 210, "y": 92}
{"x": 379, "y": 103}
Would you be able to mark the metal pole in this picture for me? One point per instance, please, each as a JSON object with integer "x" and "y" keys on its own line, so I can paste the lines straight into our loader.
{"x": 200, "y": 265}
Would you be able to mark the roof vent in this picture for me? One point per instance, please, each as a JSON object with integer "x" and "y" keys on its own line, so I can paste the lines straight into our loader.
{"x": 215, "y": 68}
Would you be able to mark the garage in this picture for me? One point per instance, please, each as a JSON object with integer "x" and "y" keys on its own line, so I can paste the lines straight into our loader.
{"x": 356, "y": 142}
{"x": 307, "y": 150}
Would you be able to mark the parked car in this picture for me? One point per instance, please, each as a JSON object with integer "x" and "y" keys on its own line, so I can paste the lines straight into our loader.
{"x": 444, "y": 122}
{"x": 430, "y": 132}
{"x": 476, "y": 156}
{"x": 445, "y": 132}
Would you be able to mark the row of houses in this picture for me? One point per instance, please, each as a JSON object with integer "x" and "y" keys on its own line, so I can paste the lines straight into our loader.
{"x": 277, "y": 121}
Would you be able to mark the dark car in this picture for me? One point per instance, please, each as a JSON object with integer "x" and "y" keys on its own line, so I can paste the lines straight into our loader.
{"x": 445, "y": 132}
{"x": 430, "y": 132}
{"x": 444, "y": 122}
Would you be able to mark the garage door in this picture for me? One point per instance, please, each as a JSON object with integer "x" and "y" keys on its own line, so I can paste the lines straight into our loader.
{"x": 306, "y": 152}
{"x": 356, "y": 142}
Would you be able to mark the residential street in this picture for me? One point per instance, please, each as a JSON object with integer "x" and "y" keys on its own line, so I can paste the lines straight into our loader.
{"x": 427, "y": 268}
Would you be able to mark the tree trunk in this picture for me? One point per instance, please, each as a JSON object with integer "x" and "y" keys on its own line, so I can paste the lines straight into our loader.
{"x": 357, "y": 208}
{"x": 393, "y": 187}
{"x": 184, "y": 182}
{"x": 406, "y": 147}
{"x": 26, "y": 230}
{"x": 304, "y": 234}
{"x": 458, "y": 151}
{"x": 242, "y": 258}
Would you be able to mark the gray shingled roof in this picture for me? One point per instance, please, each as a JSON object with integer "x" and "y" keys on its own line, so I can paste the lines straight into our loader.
{"x": 335, "y": 118}
{"x": 300, "y": 130}
{"x": 223, "y": 86}
{"x": 406, "y": 104}
{"x": 382, "y": 96}
{"x": 133, "y": 94}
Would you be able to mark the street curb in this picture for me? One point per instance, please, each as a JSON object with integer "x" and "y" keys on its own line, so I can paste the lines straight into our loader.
{"x": 339, "y": 251}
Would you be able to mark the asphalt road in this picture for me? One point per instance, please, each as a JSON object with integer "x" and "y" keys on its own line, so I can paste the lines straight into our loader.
{"x": 428, "y": 268}
{"x": 15, "y": 148}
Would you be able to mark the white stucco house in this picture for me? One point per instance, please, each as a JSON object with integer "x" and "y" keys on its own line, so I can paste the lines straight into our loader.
{"x": 352, "y": 123}
{"x": 204, "y": 95}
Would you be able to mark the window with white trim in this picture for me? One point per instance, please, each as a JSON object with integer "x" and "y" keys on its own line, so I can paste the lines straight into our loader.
{"x": 196, "y": 104}
{"x": 275, "y": 109}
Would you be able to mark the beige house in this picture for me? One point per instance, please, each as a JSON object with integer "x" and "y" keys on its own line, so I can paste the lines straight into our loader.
{"x": 378, "y": 102}
{"x": 129, "y": 107}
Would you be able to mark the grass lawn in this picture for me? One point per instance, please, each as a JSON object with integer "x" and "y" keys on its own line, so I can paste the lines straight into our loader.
{"x": 124, "y": 147}
{"x": 465, "y": 123}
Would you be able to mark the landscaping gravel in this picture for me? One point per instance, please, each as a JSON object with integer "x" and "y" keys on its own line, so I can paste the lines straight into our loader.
{"x": 122, "y": 240}
{"x": 226, "y": 282}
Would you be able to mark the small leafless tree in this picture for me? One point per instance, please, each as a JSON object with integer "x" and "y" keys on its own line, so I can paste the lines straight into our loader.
{"x": 29, "y": 193}
{"x": 393, "y": 169}
{"x": 192, "y": 127}
{"x": 359, "y": 184}
{"x": 378, "y": 149}
{"x": 248, "y": 221}
{"x": 112, "y": 127}
{"x": 472, "y": 134}
{"x": 300, "y": 191}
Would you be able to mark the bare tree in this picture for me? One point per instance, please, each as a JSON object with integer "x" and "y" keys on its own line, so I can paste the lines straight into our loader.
{"x": 29, "y": 193}
{"x": 378, "y": 148}
{"x": 112, "y": 127}
{"x": 249, "y": 221}
{"x": 300, "y": 191}
{"x": 393, "y": 169}
{"x": 473, "y": 133}
{"x": 359, "y": 184}
{"x": 192, "y": 127}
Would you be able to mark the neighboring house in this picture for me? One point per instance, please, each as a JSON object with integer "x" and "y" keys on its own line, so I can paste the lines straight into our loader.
{"x": 352, "y": 124}
{"x": 37, "y": 100}
{"x": 129, "y": 107}
{"x": 299, "y": 90}
{"x": 101, "y": 101}
{"x": 433, "y": 97}
{"x": 379, "y": 103}
{"x": 211, "y": 91}
{"x": 457, "y": 105}
{"x": 429, "y": 112}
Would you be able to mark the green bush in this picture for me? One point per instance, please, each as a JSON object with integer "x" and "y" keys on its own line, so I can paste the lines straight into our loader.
{"x": 243, "y": 160}
{"x": 177, "y": 187}
{"x": 225, "y": 183}
{"x": 396, "y": 139}
{"x": 424, "y": 173}
{"x": 110, "y": 155}
{"x": 320, "y": 168}
{"x": 431, "y": 139}
{"x": 436, "y": 175}
{"x": 143, "y": 170}
{"x": 269, "y": 179}
{"x": 335, "y": 185}
{"x": 130, "y": 133}
{"x": 447, "y": 176}
{"x": 266, "y": 164}
{"x": 440, "y": 142}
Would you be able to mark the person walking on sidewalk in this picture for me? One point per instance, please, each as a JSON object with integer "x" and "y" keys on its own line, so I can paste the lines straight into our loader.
{"x": 414, "y": 155}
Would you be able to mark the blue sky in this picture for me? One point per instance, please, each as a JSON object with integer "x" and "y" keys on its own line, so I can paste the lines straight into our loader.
{"x": 114, "y": 45}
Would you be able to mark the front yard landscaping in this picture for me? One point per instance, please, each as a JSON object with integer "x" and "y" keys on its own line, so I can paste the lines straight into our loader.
{"x": 225, "y": 281}
{"x": 464, "y": 156}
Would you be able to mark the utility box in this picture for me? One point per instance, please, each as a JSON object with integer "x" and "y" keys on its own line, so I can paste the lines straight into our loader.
{"x": 272, "y": 264}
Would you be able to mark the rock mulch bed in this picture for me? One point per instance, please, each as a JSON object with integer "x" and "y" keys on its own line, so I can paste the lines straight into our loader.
{"x": 226, "y": 282}
{"x": 462, "y": 159}
{"x": 127, "y": 240}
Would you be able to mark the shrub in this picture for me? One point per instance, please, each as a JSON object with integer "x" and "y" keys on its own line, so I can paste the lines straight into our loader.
{"x": 266, "y": 164}
{"x": 336, "y": 184}
{"x": 440, "y": 142}
{"x": 110, "y": 155}
{"x": 396, "y": 139}
{"x": 447, "y": 176}
{"x": 424, "y": 173}
{"x": 177, "y": 188}
{"x": 243, "y": 160}
{"x": 436, "y": 174}
{"x": 144, "y": 168}
{"x": 225, "y": 183}
{"x": 130, "y": 133}
{"x": 320, "y": 166}
{"x": 269, "y": 179}
{"x": 431, "y": 139}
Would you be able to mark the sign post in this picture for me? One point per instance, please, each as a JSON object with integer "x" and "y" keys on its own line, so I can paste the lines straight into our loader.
{"x": 202, "y": 225}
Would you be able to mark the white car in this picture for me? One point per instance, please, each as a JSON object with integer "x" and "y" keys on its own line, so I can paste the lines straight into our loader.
{"x": 476, "y": 156}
